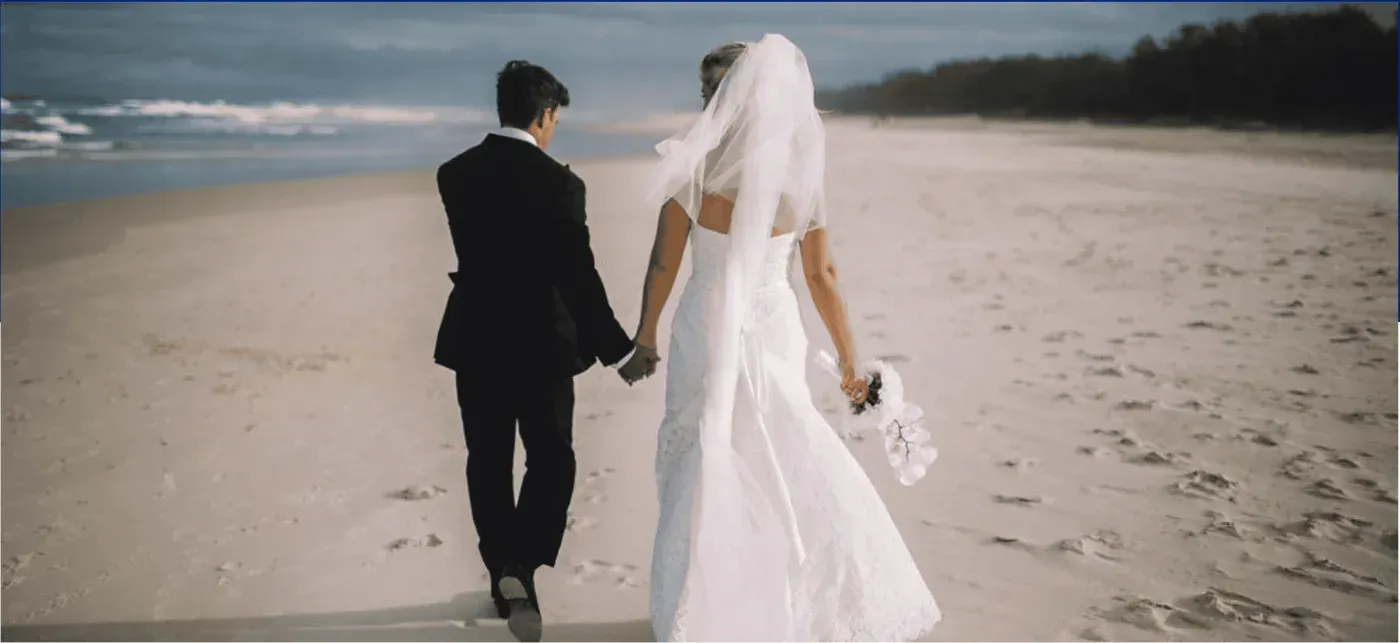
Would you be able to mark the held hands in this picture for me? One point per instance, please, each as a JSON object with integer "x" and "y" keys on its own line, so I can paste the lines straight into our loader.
{"x": 641, "y": 366}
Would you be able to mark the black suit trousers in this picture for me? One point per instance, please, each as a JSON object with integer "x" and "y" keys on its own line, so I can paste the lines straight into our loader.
{"x": 528, "y": 532}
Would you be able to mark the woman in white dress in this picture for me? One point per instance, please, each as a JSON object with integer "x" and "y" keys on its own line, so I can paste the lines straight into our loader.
{"x": 769, "y": 529}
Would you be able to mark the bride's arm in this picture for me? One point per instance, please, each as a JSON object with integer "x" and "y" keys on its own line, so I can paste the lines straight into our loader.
{"x": 820, "y": 271}
{"x": 672, "y": 229}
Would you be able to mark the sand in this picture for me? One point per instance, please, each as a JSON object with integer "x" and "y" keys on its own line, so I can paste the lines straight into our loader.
{"x": 1160, "y": 363}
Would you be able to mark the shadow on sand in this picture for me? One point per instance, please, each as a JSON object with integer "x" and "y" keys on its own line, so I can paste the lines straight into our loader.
{"x": 463, "y": 619}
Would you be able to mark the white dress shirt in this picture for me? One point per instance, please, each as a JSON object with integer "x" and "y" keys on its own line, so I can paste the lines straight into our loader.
{"x": 522, "y": 135}
{"x": 518, "y": 134}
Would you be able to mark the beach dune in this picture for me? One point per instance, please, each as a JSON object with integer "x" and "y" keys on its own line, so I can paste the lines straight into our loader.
{"x": 1160, "y": 366}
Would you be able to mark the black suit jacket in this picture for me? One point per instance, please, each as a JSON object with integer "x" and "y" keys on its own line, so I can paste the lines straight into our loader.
{"x": 526, "y": 299}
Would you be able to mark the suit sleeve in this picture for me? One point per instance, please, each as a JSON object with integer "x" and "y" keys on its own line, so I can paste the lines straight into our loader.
{"x": 576, "y": 276}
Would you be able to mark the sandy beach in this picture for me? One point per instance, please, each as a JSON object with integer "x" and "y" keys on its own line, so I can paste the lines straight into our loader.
{"x": 1160, "y": 365}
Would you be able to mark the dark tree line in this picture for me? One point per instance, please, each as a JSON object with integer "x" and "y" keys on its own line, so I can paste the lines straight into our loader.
{"x": 1334, "y": 70}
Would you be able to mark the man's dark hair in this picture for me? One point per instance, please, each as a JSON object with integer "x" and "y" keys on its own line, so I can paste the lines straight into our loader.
{"x": 524, "y": 92}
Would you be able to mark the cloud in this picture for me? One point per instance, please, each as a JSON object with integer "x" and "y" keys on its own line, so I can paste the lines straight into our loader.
{"x": 620, "y": 56}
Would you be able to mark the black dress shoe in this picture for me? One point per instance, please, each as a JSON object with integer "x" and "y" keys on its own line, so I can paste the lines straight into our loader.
{"x": 517, "y": 588}
{"x": 502, "y": 605}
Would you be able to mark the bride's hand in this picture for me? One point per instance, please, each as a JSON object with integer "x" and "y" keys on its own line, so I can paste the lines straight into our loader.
{"x": 853, "y": 385}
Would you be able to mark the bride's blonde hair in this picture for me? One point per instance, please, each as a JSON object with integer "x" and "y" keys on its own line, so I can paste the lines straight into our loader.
{"x": 716, "y": 64}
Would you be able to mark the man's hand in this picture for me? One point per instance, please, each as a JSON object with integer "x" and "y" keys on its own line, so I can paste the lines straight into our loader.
{"x": 641, "y": 366}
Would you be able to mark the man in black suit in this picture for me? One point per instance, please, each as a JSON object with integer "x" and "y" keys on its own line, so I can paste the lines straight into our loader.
{"x": 527, "y": 313}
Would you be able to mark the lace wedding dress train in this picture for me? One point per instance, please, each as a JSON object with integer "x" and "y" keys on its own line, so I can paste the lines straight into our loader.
{"x": 858, "y": 580}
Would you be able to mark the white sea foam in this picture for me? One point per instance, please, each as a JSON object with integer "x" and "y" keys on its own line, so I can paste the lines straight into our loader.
{"x": 286, "y": 113}
{"x": 4, "y": 104}
{"x": 219, "y": 126}
{"x": 31, "y": 137}
{"x": 62, "y": 125}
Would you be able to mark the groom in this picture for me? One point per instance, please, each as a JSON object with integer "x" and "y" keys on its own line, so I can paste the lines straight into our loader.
{"x": 527, "y": 313}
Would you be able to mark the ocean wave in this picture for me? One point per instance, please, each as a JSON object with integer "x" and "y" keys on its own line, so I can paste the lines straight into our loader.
{"x": 35, "y": 138}
{"x": 218, "y": 126}
{"x": 56, "y": 123}
{"x": 287, "y": 113}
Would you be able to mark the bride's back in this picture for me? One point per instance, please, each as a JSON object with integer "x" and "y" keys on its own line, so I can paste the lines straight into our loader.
{"x": 716, "y": 213}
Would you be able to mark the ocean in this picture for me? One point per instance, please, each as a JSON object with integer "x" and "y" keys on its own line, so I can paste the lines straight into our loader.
{"x": 54, "y": 151}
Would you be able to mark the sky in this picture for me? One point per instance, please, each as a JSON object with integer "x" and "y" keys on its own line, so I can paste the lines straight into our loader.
{"x": 629, "y": 57}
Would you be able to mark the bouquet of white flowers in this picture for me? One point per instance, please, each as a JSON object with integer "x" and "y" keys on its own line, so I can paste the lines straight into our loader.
{"x": 885, "y": 411}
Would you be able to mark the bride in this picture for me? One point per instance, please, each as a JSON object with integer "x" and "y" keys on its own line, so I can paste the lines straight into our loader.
{"x": 769, "y": 529}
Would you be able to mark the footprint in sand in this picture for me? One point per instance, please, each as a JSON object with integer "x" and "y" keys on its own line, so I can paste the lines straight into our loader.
{"x": 1375, "y": 490}
{"x": 1059, "y": 337}
{"x": 429, "y": 541}
{"x": 575, "y": 523}
{"x": 1328, "y": 489}
{"x": 418, "y": 492}
{"x": 588, "y": 493}
{"x": 1216, "y": 609}
{"x": 1020, "y": 501}
{"x": 1013, "y": 543}
{"x": 1019, "y": 464}
{"x": 1106, "y": 371}
{"x": 1209, "y": 325}
{"x": 1357, "y": 417}
{"x": 1336, "y": 527}
{"x": 1213, "y": 269}
{"x": 1144, "y": 372}
{"x": 1256, "y": 437}
{"x": 13, "y": 566}
{"x": 1300, "y": 466}
{"x": 1103, "y": 544}
{"x": 1221, "y": 524}
{"x": 1134, "y": 451}
{"x": 1206, "y": 485}
{"x": 596, "y": 571}
{"x": 1119, "y": 437}
{"x": 1219, "y": 605}
{"x": 1161, "y": 458}
{"x": 1135, "y": 405}
{"x": 592, "y": 498}
{"x": 1143, "y": 613}
{"x": 12, "y": 414}
{"x": 1319, "y": 571}
{"x": 596, "y": 476}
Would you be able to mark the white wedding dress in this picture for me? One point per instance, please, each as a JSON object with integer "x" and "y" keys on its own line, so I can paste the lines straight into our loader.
{"x": 859, "y": 581}
{"x": 769, "y": 530}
